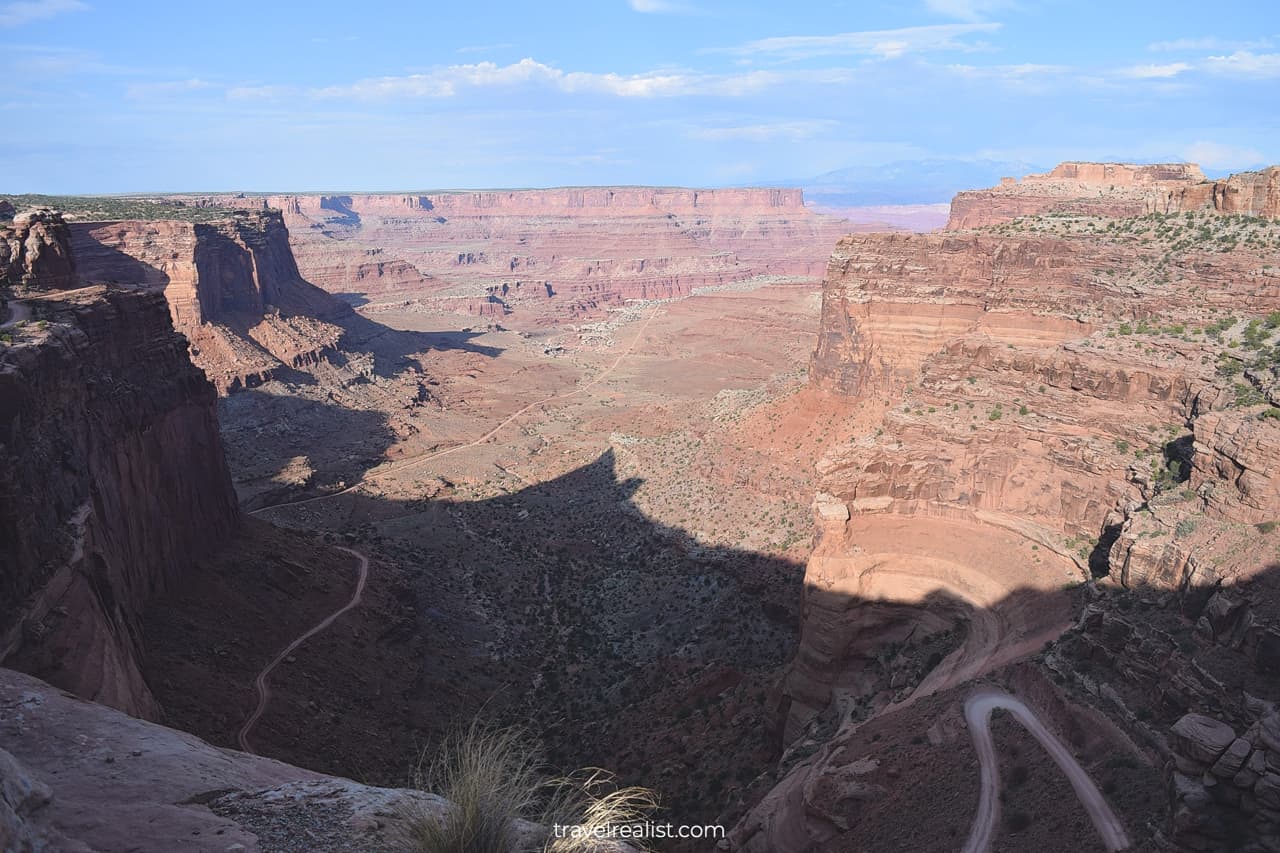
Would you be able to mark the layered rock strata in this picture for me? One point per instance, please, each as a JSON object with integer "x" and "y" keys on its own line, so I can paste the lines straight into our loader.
{"x": 232, "y": 286}
{"x": 1043, "y": 404}
{"x": 1118, "y": 190}
{"x": 550, "y": 254}
{"x": 113, "y": 478}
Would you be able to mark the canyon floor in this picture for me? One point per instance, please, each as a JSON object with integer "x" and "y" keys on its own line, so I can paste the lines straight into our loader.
{"x": 617, "y": 567}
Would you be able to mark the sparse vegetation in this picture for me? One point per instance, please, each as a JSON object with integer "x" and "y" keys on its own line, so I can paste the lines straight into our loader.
{"x": 97, "y": 208}
{"x": 492, "y": 778}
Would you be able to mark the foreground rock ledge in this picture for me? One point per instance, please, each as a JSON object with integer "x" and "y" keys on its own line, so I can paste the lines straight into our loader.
{"x": 77, "y": 776}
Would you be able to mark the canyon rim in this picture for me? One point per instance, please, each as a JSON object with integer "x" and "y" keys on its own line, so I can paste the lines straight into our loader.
{"x": 664, "y": 498}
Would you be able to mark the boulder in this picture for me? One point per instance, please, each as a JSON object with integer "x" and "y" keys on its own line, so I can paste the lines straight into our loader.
{"x": 1201, "y": 738}
{"x": 1231, "y": 761}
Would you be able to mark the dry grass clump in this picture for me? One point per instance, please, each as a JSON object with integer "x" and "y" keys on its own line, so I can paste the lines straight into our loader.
{"x": 494, "y": 778}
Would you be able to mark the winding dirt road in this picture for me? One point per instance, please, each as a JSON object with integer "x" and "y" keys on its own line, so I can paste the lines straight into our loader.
{"x": 977, "y": 713}
{"x": 260, "y": 683}
{"x": 18, "y": 313}
{"x": 418, "y": 460}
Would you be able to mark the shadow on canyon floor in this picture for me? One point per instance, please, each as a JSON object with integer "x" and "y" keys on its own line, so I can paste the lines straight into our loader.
{"x": 395, "y": 349}
{"x": 622, "y": 642}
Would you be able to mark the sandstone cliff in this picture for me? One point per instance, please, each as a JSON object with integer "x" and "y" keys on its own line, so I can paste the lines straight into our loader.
{"x": 35, "y": 251}
{"x": 232, "y": 286}
{"x": 113, "y": 478}
{"x": 1118, "y": 190}
{"x": 554, "y": 254}
{"x": 1042, "y": 405}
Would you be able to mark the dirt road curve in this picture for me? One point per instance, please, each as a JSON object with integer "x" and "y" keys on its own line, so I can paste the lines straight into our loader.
{"x": 418, "y": 460}
{"x": 260, "y": 683}
{"x": 977, "y": 712}
{"x": 18, "y": 313}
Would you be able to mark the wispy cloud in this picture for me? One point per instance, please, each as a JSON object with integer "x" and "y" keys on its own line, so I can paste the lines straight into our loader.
{"x": 1217, "y": 155}
{"x": 1245, "y": 63}
{"x": 1206, "y": 43}
{"x": 885, "y": 44}
{"x": 41, "y": 61}
{"x": 967, "y": 10}
{"x": 1156, "y": 71}
{"x": 658, "y": 7}
{"x": 25, "y": 11}
{"x": 449, "y": 81}
{"x": 767, "y": 132}
{"x": 1022, "y": 71}
{"x": 143, "y": 91}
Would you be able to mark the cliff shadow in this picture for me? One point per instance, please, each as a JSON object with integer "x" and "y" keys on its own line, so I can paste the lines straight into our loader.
{"x": 98, "y": 263}
{"x": 279, "y": 446}
{"x": 633, "y": 645}
{"x": 395, "y": 349}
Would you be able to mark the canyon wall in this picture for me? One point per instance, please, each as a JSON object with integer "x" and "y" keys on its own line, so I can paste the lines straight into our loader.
{"x": 1118, "y": 190}
{"x": 549, "y": 254}
{"x": 112, "y": 479}
{"x": 233, "y": 288}
{"x": 1042, "y": 406}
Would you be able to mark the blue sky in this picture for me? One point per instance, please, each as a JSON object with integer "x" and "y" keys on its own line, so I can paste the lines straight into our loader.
{"x": 99, "y": 96}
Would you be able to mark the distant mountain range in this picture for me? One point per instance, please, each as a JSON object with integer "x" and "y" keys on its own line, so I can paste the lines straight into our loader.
{"x": 908, "y": 181}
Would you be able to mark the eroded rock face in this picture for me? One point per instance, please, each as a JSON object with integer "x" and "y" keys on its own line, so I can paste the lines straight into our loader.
{"x": 1237, "y": 462}
{"x": 551, "y": 253}
{"x": 35, "y": 252}
{"x": 1118, "y": 190}
{"x": 1040, "y": 406}
{"x": 233, "y": 289}
{"x": 112, "y": 479}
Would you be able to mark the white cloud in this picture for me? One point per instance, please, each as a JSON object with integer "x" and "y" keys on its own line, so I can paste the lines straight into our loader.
{"x": 1217, "y": 155}
{"x": 1244, "y": 63}
{"x": 793, "y": 130}
{"x": 967, "y": 10}
{"x": 447, "y": 82}
{"x": 652, "y": 7}
{"x": 252, "y": 93}
{"x": 1154, "y": 72}
{"x": 1009, "y": 72}
{"x": 25, "y": 11}
{"x": 886, "y": 44}
{"x": 1207, "y": 43}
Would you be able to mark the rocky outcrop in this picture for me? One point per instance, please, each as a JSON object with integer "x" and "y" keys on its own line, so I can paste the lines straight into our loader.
{"x": 1118, "y": 190}
{"x": 35, "y": 252}
{"x": 1036, "y": 405}
{"x": 1237, "y": 465}
{"x": 112, "y": 480}
{"x": 232, "y": 286}
{"x": 76, "y": 776}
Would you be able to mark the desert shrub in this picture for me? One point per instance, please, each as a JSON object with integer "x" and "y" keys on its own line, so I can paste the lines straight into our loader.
{"x": 494, "y": 776}
{"x": 1247, "y": 395}
{"x": 1267, "y": 526}
{"x": 1185, "y": 528}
